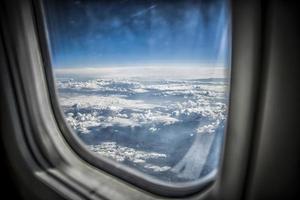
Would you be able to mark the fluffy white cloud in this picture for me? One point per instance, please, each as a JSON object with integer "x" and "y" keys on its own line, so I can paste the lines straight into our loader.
{"x": 150, "y": 105}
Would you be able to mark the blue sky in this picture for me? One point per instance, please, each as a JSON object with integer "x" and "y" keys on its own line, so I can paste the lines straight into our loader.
{"x": 98, "y": 33}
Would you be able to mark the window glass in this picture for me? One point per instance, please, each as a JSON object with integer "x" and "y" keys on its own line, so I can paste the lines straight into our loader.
{"x": 144, "y": 82}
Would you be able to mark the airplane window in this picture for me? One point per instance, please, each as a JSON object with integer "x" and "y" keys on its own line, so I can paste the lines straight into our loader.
{"x": 144, "y": 82}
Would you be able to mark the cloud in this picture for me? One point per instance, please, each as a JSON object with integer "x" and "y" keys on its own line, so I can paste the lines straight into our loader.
{"x": 145, "y": 123}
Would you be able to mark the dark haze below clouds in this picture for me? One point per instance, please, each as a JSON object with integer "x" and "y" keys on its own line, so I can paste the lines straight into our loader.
{"x": 95, "y": 33}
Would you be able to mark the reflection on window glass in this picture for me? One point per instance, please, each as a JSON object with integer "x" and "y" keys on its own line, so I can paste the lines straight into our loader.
{"x": 144, "y": 82}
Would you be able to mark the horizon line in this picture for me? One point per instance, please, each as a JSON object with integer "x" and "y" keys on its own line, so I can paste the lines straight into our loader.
{"x": 160, "y": 66}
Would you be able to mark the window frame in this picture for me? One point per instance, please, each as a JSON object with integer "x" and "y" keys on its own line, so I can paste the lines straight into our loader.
{"x": 119, "y": 170}
{"x": 61, "y": 163}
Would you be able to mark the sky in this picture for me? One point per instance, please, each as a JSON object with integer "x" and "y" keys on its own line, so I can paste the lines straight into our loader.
{"x": 134, "y": 33}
